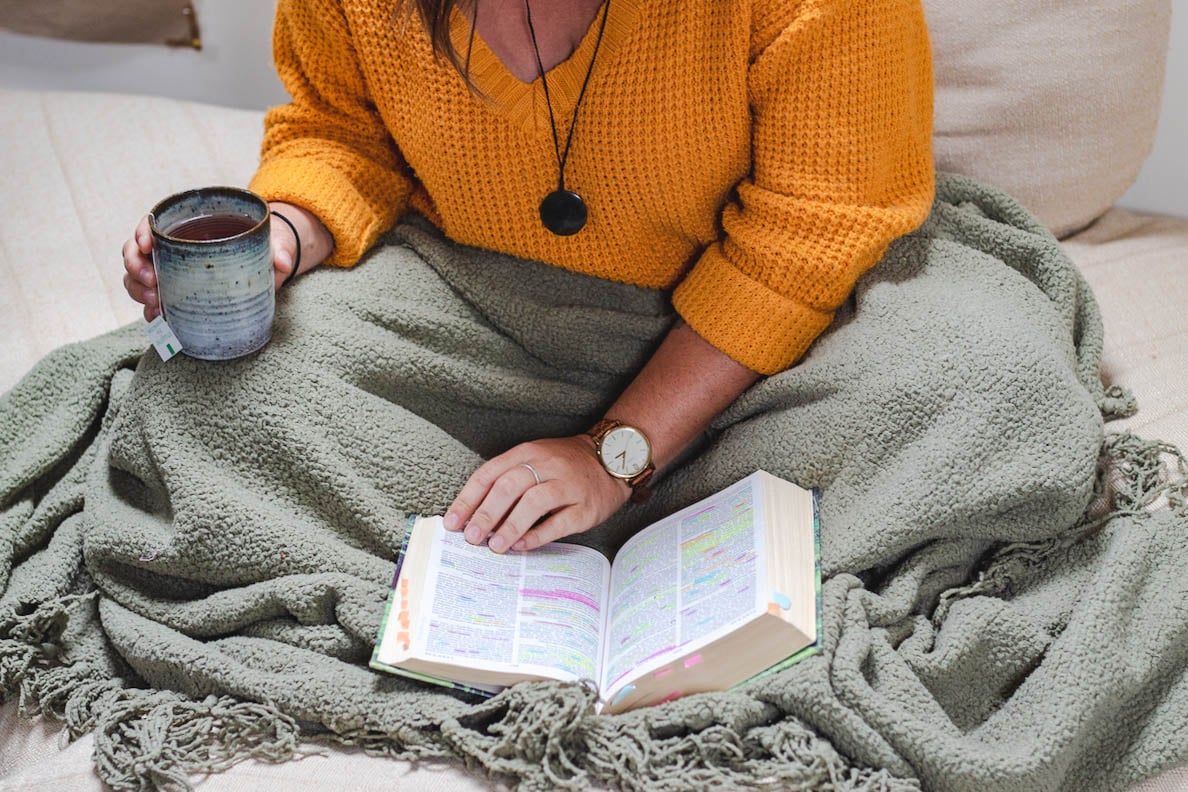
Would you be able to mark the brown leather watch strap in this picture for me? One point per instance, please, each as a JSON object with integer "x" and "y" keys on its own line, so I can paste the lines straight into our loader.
{"x": 599, "y": 430}
{"x": 640, "y": 491}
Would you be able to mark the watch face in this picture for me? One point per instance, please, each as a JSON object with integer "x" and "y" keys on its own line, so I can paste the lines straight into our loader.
{"x": 625, "y": 452}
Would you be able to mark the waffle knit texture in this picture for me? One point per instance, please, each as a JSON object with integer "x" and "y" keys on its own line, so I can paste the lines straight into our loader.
{"x": 194, "y": 558}
{"x": 756, "y": 156}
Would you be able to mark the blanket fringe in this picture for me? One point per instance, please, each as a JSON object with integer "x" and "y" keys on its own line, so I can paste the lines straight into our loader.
{"x": 407, "y": 743}
{"x": 1117, "y": 402}
{"x": 1133, "y": 477}
{"x": 546, "y": 737}
{"x": 530, "y": 732}
{"x": 781, "y": 756}
{"x": 16, "y": 659}
{"x": 150, "y": 739}
{"x": 144, "y": 739}
{"x": 29, "y": 641}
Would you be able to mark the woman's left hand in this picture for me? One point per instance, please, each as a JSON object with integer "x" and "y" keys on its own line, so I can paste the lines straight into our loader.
{"x": 503, "y": 504}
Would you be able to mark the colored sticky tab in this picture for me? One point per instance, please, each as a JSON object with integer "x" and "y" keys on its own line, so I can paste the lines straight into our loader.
{"x": 773, "y": 609}
{"x": 676, "y": 694}
{"x": 692, "y": 661}
{"x": 622, "y": 694}
{"x": 663, "y": 672}
{"x": 781, "y": 599}
{"x": 162, "y": 338}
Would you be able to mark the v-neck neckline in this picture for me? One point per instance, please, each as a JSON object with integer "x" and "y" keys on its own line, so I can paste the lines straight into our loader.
{"x": 521, "y": 102}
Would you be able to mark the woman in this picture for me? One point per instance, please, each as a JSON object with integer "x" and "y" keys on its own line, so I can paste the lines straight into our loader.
{"x": 754, "y": 158}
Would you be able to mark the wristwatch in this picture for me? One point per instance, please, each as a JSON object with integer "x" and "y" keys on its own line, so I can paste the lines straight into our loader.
{"x": 625, "y": 453}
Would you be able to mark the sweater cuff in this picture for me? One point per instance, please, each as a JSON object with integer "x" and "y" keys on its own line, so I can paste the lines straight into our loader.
{"x": 755, "y": 326}
{"x": 333, "y": 198}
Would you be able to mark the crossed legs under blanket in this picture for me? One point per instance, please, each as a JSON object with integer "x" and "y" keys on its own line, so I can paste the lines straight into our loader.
{"x": 228, "y": 530}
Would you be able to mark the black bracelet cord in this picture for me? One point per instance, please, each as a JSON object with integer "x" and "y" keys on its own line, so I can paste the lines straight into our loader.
{"x": 297, "y": 258}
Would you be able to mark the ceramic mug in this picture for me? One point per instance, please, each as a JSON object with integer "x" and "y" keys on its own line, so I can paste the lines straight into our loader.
{"x": 213, "y": 260}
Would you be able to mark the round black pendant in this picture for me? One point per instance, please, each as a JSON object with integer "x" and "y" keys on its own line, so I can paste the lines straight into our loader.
{"x": 563, "y": 212}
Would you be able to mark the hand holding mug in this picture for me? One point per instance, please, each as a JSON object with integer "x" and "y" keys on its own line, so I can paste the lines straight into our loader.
{"x": 140, "y": 281}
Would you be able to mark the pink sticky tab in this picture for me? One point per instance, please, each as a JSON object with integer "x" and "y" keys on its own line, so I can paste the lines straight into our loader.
{"x": 676, "y": 694}
{"x": 692, "y": 661}
{"x": 663, "y": 672}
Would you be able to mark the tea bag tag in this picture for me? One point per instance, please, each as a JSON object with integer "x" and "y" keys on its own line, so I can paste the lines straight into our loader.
{"x": 163, "y": 338}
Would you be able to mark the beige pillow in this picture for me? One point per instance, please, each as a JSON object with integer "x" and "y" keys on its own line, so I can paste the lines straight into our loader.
{"x": 1055, "y": 101}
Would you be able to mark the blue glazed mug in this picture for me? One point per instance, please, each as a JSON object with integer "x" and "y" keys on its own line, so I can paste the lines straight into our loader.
{"x": 213, "y": 259}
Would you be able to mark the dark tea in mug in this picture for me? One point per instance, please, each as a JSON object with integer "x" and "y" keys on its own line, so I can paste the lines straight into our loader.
{"x": 209, "y": 228}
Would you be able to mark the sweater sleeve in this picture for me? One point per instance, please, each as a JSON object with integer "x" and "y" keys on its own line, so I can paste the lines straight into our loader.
{"x": 328, "y": 150}
{"x": 841, "y": 102}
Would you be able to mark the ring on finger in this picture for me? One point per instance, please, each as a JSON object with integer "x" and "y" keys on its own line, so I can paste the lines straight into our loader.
{"x": 531, "y": 470}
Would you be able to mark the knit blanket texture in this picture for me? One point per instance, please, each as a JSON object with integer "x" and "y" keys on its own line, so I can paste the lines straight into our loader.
{"x": 194, "y": 556}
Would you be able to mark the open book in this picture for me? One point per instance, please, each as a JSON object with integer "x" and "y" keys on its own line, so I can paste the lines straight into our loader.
{"x": 699, "y": 601}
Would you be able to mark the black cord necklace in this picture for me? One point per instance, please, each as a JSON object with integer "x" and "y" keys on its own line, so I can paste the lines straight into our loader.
{"x": 563, "y": 211}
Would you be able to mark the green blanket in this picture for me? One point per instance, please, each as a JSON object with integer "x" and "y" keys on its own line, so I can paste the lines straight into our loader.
{"x": 194, "y": 556}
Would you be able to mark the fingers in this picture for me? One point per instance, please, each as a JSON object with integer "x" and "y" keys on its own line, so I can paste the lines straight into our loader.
{"x": 557, "y": 525}
{"x": 536, "y": 502}
{"x": 138, "y": 264}
{"x": 284, "y": 249}
{"x": 143, "y": 236}
{"x": 473, "y": 492}
{"x": 282, "y": 263}
{"x": 494, "y": 489}
{"x": 138, "y": 291}
{"x": 145, "y": 296}
{"x": 140, "y": 281}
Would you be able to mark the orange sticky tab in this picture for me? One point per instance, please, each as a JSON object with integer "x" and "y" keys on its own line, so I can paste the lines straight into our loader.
{"x": 403, "y": 619}
{"x": 773, "y": 609}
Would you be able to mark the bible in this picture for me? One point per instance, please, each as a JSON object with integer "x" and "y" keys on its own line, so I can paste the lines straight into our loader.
{"x": 705, "y": 599}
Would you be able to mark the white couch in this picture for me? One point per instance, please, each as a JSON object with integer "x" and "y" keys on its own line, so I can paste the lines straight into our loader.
{"x": 1019, "y": 103}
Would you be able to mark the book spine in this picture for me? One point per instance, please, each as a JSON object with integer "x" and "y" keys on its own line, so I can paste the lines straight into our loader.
{"x": 378, "y": 666}
{"x": 383, "y": 625}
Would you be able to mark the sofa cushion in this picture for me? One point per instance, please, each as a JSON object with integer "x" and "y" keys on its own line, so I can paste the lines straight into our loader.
{"x": 1055, "y": 101}
{"x": 1138, "y": 267}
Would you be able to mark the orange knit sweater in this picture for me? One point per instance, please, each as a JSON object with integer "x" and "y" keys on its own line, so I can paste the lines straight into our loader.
{"x": 755, "y": 156}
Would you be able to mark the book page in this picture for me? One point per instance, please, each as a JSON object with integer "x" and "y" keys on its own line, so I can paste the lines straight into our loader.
{"x": 685, "y": 580}
{"x": 536, "y": 613}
